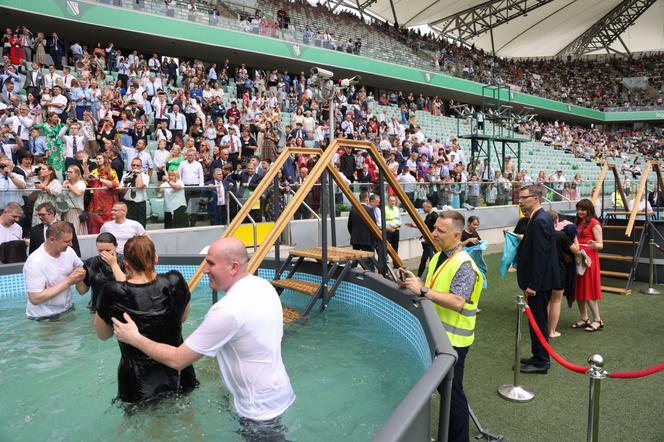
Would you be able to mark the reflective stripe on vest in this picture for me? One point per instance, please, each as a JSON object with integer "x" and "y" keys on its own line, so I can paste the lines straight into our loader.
{"x": 460, "y": 326}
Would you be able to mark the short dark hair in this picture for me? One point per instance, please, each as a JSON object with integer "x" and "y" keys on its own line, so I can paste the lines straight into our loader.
{"x": 106, "y": 238}
{"x": 457, "y": 218}
{"x": 472, "y": 218}
{"x": 56, "y": 230}
{"x": 50, "y": 208}
{"x": 364, "y": 195}
{"x": 535, "y": 189}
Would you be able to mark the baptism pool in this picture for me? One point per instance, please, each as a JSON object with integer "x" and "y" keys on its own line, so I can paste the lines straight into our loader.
{"x": 350, "y": 367}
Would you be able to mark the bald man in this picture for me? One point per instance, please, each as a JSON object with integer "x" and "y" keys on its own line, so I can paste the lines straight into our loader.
{"x": 243, "y": 330}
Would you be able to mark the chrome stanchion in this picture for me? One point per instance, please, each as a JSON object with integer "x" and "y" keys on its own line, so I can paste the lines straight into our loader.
{"x": 651, "y": 290}
{"x": 516, "y": 392}
{"x": 596, "y": 373}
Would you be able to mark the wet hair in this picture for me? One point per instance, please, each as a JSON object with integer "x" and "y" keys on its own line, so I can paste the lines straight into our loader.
{"x": 140, "y": 254}
{"x": 458, "y": 220}
{"x": 589, "y": 207}
{"x": 106, "y": 238}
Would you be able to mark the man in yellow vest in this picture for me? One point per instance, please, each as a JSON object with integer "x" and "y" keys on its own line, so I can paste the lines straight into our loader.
{"x": 454, "y": 284}
{"x": 392, "y": 222}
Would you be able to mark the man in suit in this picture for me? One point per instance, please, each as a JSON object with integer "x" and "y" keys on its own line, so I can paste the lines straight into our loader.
{"x": 537, "y": 271}
{"x": 56, "y": 49}
{"x": 361, "y": 237}
{"x": 47, "y": 216}
{"x": 34, "y": 80}
{"x": 216, "y": 205}
{"x": 656, "y": 199}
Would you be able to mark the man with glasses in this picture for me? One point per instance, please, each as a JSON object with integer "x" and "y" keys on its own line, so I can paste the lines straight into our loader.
{"x": 47, "y": 215}
{"x": 537, "y": 271}
{"x": 50, "y": 272}
{"x": 121, "y": 227}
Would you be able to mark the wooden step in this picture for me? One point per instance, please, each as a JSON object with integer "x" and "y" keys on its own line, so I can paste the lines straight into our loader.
{"x": 306, "y": 287}
{"x": 610, "y": 257}
{"x": 622, "y": 227}
{"x": 291, "y": 315}
{"x": 618, "y": 241}
{"x": 334, "y": 254}
{"x": 611, "y": 274}
{"x": 622, "y": 212}
{"x": 618, "y": 290}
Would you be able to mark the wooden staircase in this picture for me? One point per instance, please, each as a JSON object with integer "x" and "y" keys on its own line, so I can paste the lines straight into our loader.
{"x": 337, "y": 258}
{"x": 617, "y": 257}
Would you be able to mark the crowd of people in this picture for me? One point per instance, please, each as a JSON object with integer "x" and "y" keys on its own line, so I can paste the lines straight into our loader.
{"x": 80, "y": 140}
{"x": 596, "y": 83}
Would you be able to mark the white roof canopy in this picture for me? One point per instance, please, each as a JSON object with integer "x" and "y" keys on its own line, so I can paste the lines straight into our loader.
{"x": 543, "y": 32}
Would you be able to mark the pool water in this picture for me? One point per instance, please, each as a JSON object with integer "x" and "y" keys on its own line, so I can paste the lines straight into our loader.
{"x": 349, "y": 371}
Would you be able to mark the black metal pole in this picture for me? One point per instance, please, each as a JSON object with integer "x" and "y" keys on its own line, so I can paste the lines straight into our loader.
{"x": 383, "y": 225}
{"x": 275, "y": 207}
{"x": 333, "y": 210}
{"x": 445, "y": 391}
{"x": 323, "y": 238}
{"x": 215, "y": 296}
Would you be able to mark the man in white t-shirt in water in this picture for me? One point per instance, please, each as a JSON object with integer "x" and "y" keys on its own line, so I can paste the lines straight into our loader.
{"x": 243, "y": 330}
{"x": 50, "y": 272}
{"x": 121, "y": 227}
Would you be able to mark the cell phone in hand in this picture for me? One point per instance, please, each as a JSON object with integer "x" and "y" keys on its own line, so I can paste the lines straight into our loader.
{"x": 402, "y": 274}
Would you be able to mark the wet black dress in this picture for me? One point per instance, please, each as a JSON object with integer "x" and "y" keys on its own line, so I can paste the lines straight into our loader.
{"x": 97, "y": 275}
{"x": 156, "y": 308}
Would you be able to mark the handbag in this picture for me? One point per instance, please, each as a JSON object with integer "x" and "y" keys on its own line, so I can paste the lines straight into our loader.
{"x": 583, "y": 262}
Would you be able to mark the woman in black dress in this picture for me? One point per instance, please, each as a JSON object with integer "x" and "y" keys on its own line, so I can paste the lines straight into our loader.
{"x": 158, "y": 304}
{"x": 107, "y": 266}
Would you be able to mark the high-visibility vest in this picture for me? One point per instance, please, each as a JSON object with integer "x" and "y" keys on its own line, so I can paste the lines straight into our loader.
{"x": 460, "y": 326}
{"x": 392, "y": 217}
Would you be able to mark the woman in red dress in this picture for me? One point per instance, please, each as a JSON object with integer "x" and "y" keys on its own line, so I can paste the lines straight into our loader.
{"x": 16, "y": 51}
{"x": 588, "y": 287}
{"x": 104, "y": 180}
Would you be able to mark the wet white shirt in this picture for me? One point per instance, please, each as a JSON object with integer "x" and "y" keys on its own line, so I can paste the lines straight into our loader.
{"x": 243, "y": 331}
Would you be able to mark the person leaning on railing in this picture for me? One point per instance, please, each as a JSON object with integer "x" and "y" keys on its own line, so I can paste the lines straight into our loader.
{"x": 175, "y": 204}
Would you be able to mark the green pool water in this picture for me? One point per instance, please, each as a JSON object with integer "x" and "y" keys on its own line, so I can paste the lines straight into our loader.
{"x": 348, "y": 369}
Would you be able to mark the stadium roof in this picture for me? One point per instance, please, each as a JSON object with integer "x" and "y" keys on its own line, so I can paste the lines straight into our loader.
{"x": 547, "y": 28}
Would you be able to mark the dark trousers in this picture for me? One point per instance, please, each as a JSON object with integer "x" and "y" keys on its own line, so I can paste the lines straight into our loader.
{"x": 366, "y": 248}
{"x": 218, "y": 216}
{"x": 393, "y": 239}
{"x": 538, "y": 306}
{"x": 459, "y": 415}
{"x": 137, "y": 211}
{"x": 427, "y": 252}
{"x": 233, "y": 158}
{"x": 262, "y": 431}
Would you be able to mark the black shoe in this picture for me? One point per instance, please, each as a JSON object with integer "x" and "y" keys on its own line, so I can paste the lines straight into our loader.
{"x": 528, "y": 361}
{"x": 529, "y": 368}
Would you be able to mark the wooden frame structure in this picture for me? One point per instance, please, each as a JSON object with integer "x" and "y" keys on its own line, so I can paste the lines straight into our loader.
{"x": 650, "y": 165}
{"x": 323, "y": 164}
{"x": 597, "y": 191}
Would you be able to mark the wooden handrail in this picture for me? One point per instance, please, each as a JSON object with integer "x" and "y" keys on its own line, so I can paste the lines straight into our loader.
{"x": 637, "y": 198}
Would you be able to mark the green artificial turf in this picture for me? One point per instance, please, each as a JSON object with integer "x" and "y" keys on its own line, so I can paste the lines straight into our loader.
{"x": 632, "y": 339}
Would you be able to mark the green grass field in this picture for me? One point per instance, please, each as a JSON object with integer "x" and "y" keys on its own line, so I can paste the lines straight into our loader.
{"x": 632, "y": 339}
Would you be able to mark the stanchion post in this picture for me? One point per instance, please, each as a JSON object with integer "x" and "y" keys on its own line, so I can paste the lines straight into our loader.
{"x": 516, "y": 392}
{"x": 651, "y": 290}
{"x": 596, "y": 373}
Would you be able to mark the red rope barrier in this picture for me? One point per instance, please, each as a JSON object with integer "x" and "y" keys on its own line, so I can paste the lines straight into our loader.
{"x": 568, "y": 365}
{"x": 637, "y": 374}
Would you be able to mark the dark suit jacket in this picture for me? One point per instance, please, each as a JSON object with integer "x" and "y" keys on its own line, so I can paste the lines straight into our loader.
{"x": 212, "y": 195}
{"x": 537, "y": 257}
{"x": 38, "y": 84}
{"x": 37, "y": 238}
{"x": 656, "y": 201}
{"x": 360, "y": 235}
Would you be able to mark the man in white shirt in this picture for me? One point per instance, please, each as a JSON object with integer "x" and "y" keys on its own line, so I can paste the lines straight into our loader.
{"x": 58, "y": 102}
{"x": 121, "y": 227}
{"x": 243, "y": 330}
{"x": 10, "y": 230}
{"x": 154, "y": 65}
{"x": 233, "y": 143}
{"x": 67, "y": 77}
{"x": 11, "y": 184}
{"x": 177, "y": 122}
{"x": 50, "y": 272}
{"x": 558, "y": 181}
{"x": 21, "y": 122}
{"x": 51, "y": 78}
{"x": 74, "y": 142}
{"x": 142, "y": 154}
{"x": 408, "y": 182}
{"x": 133, "y": 183}
{"x": 192, "y": 175}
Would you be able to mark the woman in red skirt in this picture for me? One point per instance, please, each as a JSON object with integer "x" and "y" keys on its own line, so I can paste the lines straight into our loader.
{"x": 588, "y": 286}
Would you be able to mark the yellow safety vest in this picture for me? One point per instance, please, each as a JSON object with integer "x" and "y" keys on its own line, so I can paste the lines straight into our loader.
{"x": 460, "y": 326}
{"x": 392, "y": 216}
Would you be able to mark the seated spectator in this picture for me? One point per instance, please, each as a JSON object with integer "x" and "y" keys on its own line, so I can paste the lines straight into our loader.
{"x": 48, "y": 216}
{"x": 121, "y": 227}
